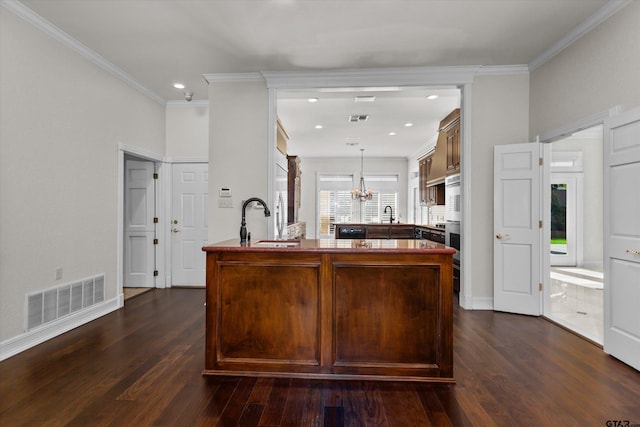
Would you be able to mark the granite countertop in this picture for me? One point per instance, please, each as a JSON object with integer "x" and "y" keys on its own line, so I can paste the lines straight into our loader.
{"x": 332, "y": 245}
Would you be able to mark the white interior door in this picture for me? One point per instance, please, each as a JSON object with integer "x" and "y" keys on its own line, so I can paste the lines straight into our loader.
{"x": 516, "y": 228}
{"x": 622, "y": 237}
{"x": 139, "y": 226}
{"x": 190, "y": 190}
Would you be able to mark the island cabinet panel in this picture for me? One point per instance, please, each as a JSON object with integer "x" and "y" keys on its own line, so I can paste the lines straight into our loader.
{"x": 264, "y": 316}
{"x": 386, "y": 318}
{"x": 269, "y": 313}
{"x": 338, "y": 309}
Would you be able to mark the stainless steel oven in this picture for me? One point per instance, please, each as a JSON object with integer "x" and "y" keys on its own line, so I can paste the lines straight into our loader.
{"x": 453, "y": 198}
{"x": 452, "y": 237}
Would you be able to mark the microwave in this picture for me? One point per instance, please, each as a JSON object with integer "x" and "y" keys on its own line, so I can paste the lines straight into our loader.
{"x": 453, "y": 199}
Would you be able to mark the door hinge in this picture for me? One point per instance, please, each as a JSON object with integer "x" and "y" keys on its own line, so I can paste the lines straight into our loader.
{"x": 540, "y": 161}
{"x": 155, "y": 176}
{"x": 540, "y": 287}
{"x": 155, "y": 241}
{"x": 155, "y": 273}
{"x": 540, "y": 224}
{"x": 155, "y": 219}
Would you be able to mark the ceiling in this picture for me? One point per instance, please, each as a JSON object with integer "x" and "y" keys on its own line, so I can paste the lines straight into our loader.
{"x": 160, "y": 42}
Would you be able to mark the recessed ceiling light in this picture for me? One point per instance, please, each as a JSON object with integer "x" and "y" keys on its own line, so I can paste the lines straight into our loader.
{"x": 364, "y": 98}
{"x": 178, "y": 85}
{"x": 391, "y": 133}
{"x": 312, "y": 100}
{"x": 319, "y": 126}
{"x": 408, "y": 125}
{"x": 432, "y": 97}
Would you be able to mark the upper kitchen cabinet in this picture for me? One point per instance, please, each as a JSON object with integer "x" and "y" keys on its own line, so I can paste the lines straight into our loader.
{"x": 281, "y": 138}
{"x": 293, "y": 190}
{"x": 423, "y": 171}
{"x": 437, "y": 166}
{"x": 450, "y": 126}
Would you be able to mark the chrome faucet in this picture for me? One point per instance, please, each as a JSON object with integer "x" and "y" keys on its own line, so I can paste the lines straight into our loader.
{"x": 243, "y": 225}
{"x": 391, "y": 218}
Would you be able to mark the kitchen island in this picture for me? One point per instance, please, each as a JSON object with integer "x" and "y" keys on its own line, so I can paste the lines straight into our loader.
{"x": 344, "y": 309}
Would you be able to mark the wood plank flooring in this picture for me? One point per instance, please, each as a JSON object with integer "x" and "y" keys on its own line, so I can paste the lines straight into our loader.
{"x": 141, "y": 366}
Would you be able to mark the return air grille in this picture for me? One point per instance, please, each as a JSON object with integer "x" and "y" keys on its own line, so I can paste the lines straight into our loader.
{"x": 53, "y": 303}
{"x": 358, "y": 118}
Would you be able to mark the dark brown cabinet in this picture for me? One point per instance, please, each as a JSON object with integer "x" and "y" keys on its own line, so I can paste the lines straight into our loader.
{"x": 451, "y": 128}
{"x": 353, "y": 312}
{"x": 435, "y": 195}
{"x": 293, "y": 189}
{"x": 423, "y": 172}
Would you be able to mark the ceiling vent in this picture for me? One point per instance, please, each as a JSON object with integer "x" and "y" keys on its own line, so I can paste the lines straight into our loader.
{"x": 358, "y": 118}
{"x": 364, "y": 98}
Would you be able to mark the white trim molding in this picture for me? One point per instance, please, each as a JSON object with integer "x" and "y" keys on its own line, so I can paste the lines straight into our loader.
{"x": 198, "y": 103}
{"x": 610, "y": 8}
{"x": 233, "y": 77}
{"x": 371, "y": 77}
{"x": 502, "y": 70}
{"x": 577, "y": 125}
{"x": 22, "y": 11}
{"x": 25, "y": 341}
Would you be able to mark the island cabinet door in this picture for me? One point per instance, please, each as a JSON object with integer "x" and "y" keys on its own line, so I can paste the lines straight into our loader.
{"x": 392, "y": 318}
{"x": 264, "y": 316}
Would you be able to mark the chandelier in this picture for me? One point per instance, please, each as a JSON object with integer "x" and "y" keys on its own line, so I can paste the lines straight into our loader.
{"x": 362, "y": 193}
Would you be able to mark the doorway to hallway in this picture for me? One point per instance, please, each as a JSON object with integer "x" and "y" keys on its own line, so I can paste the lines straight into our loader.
{"x": 576, "y": 296}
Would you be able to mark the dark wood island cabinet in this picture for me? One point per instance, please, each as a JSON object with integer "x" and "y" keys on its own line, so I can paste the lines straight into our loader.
{"x": 345, "y": 309}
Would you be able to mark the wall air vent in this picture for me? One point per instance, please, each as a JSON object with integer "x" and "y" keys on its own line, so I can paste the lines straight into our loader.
{"x": 60, "y": 301}
{"x": 358, "y": 118}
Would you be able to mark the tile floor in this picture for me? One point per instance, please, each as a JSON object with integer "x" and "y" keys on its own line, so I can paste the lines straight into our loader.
{"x": 577, "y": 300}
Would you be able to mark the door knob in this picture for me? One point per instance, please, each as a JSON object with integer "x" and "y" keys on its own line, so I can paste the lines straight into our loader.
{"x": 501, "y": 236}
{"x": 175, "y": 230}
{"x": 634, "y": 252}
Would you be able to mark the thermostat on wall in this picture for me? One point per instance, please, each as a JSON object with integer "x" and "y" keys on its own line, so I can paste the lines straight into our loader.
{"x": 225, "y": 192}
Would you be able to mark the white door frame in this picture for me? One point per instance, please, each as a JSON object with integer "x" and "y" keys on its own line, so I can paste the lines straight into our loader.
{"x": 142, "y": 154}
{"x": 546, "y": 138}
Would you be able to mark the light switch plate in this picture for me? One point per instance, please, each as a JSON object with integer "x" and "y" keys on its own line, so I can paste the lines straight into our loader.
{"x": 225, "y": 203}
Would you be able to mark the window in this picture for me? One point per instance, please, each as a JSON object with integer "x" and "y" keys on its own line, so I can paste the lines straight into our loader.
{"x": 335, "y": 204}
{"x": 385, "y": 193}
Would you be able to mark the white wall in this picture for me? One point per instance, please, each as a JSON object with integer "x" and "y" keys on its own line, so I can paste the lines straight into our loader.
{"x": 187, "y": 130}
{"x": 499, "y": 115}
{"x": 238, "y": 144}
{"x": 61, "y": 121}
{"x": 595, "y": 73}
{"x": 310, "y": 168}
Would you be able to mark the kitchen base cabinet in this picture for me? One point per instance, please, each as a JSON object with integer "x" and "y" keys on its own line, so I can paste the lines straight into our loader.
{"x": 330, "y": 309}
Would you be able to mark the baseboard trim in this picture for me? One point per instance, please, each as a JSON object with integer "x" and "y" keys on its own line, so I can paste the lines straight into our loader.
{"x": 36, "y": 336}
{"x": 482, "y": 303}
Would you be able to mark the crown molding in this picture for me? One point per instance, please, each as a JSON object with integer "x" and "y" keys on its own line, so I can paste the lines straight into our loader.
{"x": 501, "y": 70}
{"x": 371, "y": 77}
{"x": 28, "y": 15}
{"x": 198, "y": 103}
{"x": 233, "y": 77}
{"x": 609, "y": 9}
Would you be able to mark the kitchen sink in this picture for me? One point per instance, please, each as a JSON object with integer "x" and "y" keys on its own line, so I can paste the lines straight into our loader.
{"x": 276, "y": 243}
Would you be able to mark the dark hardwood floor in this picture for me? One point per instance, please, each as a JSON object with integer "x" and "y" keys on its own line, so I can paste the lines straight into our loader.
{"x": 141, "y": 366}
